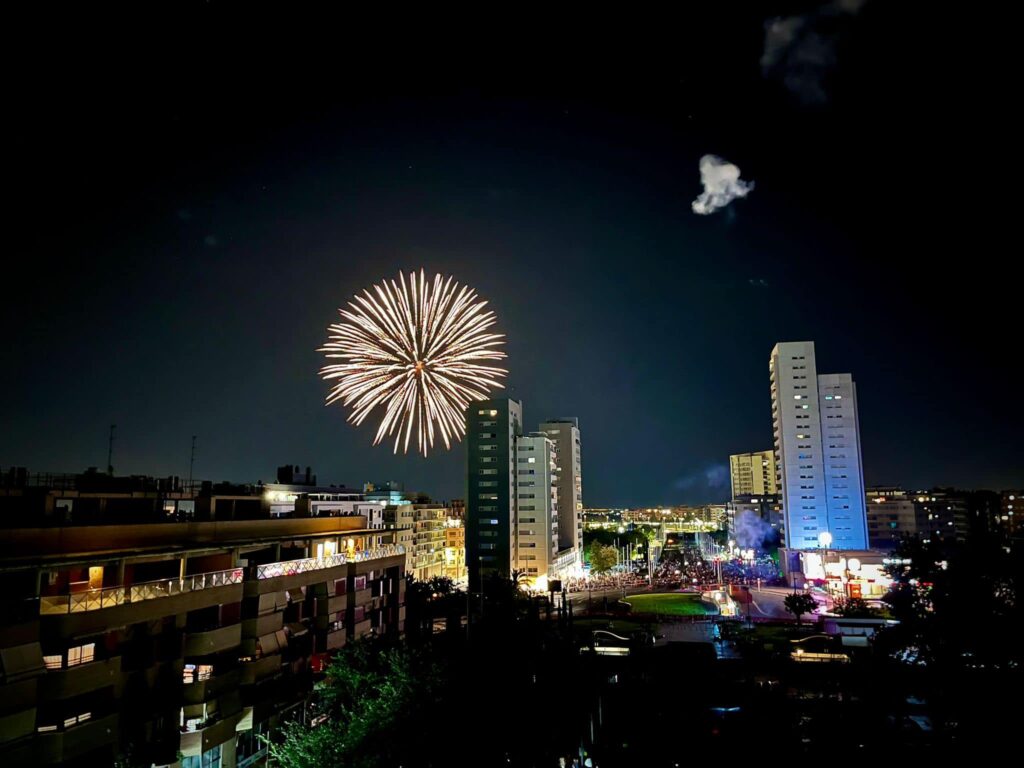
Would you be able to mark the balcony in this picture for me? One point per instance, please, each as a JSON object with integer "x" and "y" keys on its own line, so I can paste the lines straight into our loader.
{"x": 325, "y": 606}
{"x": 195, "y": 743}
{"x": 17, "y": 725}
{"x": 292, "y": 574}
{"x": 255, "y": 671}
{"x": 213, "y": 640}
{"x": 293, "y": 567}
{"x": 82, "y": 678}
{"x": 205, "y": 690}
{"x": 263, "y": 625}
{"x": 336, "y": 639}
{"x": 97, "y": 599}
{"x": 64, "y": 746}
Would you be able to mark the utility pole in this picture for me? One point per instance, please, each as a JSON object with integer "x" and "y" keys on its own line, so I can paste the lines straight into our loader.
{"x": 191, "y": 463}
{"x": 110, "y": 451}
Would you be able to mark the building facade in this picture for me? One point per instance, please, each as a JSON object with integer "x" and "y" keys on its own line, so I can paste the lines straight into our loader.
{"x": 891, "y": 517}
{"x": 565, "y": 433}
{"x": 455, "y": 548}
{"x": 753, "y": 474}
{"x": 817, "y": 447}
{"x": 942, "y": 514}
{"x": 154, "y": 642}
{"x": 535, "y": 534}
{"x": 492, "y": 427}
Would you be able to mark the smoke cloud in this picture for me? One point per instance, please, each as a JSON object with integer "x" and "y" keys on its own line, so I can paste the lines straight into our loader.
{"x": 751, "y": 531}
{"x": 722, "y": 185}
{"x": 801, "y": 50}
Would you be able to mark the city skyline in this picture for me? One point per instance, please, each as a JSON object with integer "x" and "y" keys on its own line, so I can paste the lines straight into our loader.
{"x": 198, "y": 245}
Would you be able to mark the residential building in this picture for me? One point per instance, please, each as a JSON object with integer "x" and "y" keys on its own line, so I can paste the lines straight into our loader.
{"x": 455, "y": 548}
{"x": 942, "y": 514}
{"x": 457, "y": 508}
{"x": 430, "y": 540}
{"x": 535, "y": 531}
{"x": 817, "y": 452}
{"x": 180, "y": 640}
{"x": 492, "y": 427}
{"x": 512, "y": 502}
{"x": 891, "y": 517}
{"x": 565, "y": 433}
{"x": 753, "y": 474}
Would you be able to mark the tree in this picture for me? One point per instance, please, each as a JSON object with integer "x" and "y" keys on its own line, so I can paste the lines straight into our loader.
{"x": 602, "y": 558}
{"x": 372, "y": 696}
{"x": 799, "y": 603}
{"x": 856, "y": 608}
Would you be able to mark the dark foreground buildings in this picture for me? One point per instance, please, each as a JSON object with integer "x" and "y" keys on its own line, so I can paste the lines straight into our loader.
{"x": 184, "y": 638}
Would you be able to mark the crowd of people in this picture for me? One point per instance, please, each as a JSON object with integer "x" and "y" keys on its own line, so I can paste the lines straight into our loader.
{"x": 683, "y": 567}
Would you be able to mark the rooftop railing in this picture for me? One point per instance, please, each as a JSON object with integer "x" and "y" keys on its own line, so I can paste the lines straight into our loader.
{"x": 292, "y": 567}
{"x": 96, "y": 599}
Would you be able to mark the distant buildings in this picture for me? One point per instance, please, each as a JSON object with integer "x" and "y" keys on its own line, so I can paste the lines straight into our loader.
{"x": 1011, "y": 513}
{"x": 513, "y": 504}
{"x": 817, "y": 447}
{"x": 892, "y": 517}
{"x": 455, "y": 548}
{"x": 941, "y": 515}
{"x": 753, "y": 474}
{"x": 420, "y": 529}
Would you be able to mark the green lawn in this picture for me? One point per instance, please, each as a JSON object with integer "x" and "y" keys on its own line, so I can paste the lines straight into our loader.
{"x": 669, "y": 604}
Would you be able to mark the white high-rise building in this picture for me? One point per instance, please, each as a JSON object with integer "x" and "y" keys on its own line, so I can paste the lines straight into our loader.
{"x": 535, "y": 535}
{"x": 817, "y": 452}
{"x": 566, "y": 435}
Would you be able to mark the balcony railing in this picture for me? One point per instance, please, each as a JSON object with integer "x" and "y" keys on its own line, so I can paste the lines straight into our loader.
{"x": 96, "y": 599}
{"x": 293, "y": 567}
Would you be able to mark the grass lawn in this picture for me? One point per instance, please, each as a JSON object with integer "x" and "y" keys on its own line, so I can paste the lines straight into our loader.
{"x": 668, "y": 604}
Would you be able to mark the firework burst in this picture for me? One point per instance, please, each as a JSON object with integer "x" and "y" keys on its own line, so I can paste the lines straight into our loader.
{"x": 418, "y": 350}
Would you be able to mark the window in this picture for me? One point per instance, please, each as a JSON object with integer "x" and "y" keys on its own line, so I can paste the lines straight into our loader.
{"x": 487, "y": 413}
{"x": 490, "y": 521}
{"x": 488, "y": 471}
{"x": 53, "y": 662}
{"x": 488, "y": 447}
{"x": 82, "y": 654}
{"x": 488, "y": 423}
{"x": 488, "y": 497}
{"x": 487, "y": 435}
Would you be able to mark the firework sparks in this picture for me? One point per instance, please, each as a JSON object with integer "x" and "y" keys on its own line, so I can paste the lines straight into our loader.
{"x": 416, "y": 349}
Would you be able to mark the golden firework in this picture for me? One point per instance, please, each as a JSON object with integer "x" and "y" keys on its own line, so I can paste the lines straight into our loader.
{"x": 415, "y": 349}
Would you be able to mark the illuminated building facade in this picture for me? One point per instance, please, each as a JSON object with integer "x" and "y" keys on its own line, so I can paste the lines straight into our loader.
{"x": 181, "y": 640}
{"x": 817, "y": 447}
{"x": 455, "y": 548}
{"x": 753, "y": 474}
{"x": 565, "y": 433}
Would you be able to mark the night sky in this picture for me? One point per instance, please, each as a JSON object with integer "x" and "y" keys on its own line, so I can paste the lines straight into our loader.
{"x": 192, "y": 203}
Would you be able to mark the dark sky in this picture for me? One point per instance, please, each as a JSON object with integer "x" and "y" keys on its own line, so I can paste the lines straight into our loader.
{"x": 190, "y": 204}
